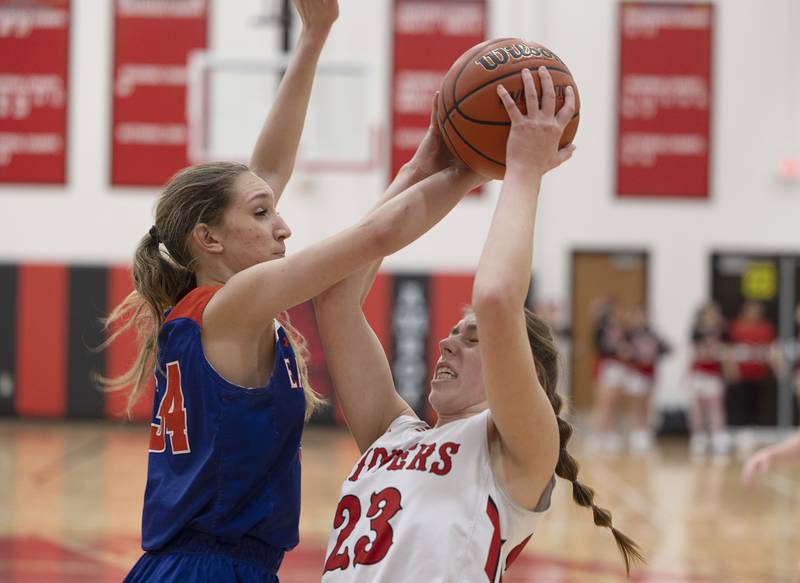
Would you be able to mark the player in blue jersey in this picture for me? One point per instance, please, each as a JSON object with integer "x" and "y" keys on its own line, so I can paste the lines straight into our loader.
{"x": 212, "y": 282}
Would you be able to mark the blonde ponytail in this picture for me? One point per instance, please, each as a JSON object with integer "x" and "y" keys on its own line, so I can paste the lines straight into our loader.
{"x": 162, "y": 265}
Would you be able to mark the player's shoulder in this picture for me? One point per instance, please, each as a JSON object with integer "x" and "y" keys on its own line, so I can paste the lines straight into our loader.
{"x": 407, "y": 422}
{"x": 193, "y": 304}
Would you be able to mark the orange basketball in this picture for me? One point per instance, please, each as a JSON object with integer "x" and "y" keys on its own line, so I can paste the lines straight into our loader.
{"x": 472, "y": 118}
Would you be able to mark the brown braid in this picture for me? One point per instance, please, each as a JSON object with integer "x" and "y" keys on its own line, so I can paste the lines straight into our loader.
{"x": 545, "y": 354}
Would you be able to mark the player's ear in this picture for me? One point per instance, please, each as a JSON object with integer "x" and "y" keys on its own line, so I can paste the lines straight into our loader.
{"x": 206, "y": 239}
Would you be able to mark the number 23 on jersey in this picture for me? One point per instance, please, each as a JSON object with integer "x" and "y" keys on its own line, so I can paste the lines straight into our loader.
{"x": 366, "y": 551}
{"x": 170, "y": 418}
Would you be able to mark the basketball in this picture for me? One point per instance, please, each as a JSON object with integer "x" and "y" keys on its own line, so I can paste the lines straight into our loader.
{"x": 472, "y": 119}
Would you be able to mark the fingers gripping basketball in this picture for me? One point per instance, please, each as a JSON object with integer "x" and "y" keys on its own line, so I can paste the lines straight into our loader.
{"x": 471, "y": 116}
{"x": 533, "y": 141}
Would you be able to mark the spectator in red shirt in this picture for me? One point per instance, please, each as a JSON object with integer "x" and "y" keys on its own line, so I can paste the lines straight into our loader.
{"x": 752, "y": 337}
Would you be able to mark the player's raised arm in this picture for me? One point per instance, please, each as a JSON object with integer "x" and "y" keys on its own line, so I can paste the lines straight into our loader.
{"x": 358, "y": 365}
{"x": 275, "y": 151}
{"x": 520, "y": 409}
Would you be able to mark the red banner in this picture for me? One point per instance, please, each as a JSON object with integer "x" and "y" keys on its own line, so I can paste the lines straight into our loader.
{"x": 34, "y": 46}
{"x": 429, "y": 35}
{"x": 663, "y": 138}
{"x": 152, "y": 41}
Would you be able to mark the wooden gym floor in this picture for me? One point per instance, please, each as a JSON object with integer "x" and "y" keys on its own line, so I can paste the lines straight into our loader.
{"x": 71, "y": 494}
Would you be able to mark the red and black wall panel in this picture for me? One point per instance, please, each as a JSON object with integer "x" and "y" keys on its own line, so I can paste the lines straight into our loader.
{"x": 50, "y": 329}
{"x": 40, "y": 333}
{"x": 8, "y": 345}
{"x": 121, "y": 354}
{"x": 87, "y": 305}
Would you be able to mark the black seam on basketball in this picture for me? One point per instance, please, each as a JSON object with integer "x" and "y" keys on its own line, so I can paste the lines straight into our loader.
{"x": 458, "y": 102}
{"x": 467, "y": 62}
{"x": 452, "y": 145}
{"x": 473, "y": 148}
{"x": 499, "y": 123}
{"x": 449, "y": 141}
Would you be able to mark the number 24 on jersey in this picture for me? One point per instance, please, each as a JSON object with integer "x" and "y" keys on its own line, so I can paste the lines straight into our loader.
{"x": 171, "y": 416}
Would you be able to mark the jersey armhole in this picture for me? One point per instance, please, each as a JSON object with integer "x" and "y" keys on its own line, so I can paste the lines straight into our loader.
{"x": 543, "y": 503}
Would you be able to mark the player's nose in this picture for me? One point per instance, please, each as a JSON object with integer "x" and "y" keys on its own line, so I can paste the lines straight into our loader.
{"x": 446, "y": 346}
{"x": 282, "y": 230}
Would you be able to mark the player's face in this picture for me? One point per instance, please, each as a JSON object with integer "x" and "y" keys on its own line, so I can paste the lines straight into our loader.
{"x": 457, "y": 383}
{"x": 252, "y": 230}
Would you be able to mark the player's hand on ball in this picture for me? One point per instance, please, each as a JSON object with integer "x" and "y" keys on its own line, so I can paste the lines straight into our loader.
{"x": 533, "y": 140}
{"x": 432, "y": 155}
{"x": 756, "y": 465}
{"x": 317, "y": 14}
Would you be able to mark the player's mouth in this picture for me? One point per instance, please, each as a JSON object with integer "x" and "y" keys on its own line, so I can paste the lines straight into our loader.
{"x": 444, "y": 373}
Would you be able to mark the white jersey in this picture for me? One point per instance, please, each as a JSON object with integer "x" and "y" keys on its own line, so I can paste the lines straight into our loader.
{"x": 423, "y": 504}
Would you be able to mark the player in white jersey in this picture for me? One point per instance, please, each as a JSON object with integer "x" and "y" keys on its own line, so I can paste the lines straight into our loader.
{"x": 457, "y": 502}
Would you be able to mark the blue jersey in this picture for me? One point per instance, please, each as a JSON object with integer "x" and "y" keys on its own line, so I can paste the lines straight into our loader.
{"x": 224, "y": 460}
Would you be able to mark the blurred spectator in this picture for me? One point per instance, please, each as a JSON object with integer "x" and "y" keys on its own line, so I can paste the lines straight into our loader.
{"x": 612, "y": 351}
{"x": 751, "y": 395}
{"x": 647, "y": 349}
{"x": 706, "y": 383}
{"x": 786, "y": 357}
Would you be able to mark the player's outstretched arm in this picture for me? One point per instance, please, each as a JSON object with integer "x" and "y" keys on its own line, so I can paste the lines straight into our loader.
{"x": 761, "y": 461}
{"x": 520, "y": 409}
{"x": 251, "y": 298}
{"x": 359, "y": 368}
{"x": 275, "y": 151}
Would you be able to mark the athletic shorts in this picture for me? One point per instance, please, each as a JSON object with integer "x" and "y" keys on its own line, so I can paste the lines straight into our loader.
{"x": 198, "y": 557}
{"x": 705, "y": 385}
{"x": 611, "y": 373}
{"x": 637, "y": 384}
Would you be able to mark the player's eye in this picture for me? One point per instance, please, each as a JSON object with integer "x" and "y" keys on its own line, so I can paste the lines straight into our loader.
{"x": 262, "y": 212}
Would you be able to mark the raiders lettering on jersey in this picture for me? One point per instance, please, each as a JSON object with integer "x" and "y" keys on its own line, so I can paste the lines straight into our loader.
{"x": 420, "y": 457}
